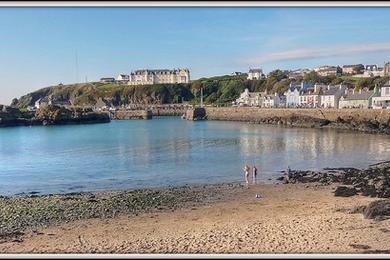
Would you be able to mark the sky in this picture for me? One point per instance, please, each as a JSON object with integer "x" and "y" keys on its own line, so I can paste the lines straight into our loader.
{"x": 40, "y": 47}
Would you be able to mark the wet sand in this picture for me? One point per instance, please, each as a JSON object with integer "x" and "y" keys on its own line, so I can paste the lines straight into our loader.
{"x": 291, "y": 218}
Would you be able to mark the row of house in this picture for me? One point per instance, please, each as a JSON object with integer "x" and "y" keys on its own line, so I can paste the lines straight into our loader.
{"x": 318, "y": 96}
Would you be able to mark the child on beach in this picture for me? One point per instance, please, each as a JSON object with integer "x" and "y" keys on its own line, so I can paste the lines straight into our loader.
{"x": 254, "y": 174}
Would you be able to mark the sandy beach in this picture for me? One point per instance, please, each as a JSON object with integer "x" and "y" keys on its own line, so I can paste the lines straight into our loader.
{"x": 291, "y": 218}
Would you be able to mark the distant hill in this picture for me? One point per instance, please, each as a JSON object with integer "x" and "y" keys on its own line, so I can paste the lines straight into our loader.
{"x": 216, "y": 90}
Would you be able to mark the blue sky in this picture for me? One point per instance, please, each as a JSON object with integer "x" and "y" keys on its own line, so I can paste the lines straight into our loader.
{"x": 38, "y": 46}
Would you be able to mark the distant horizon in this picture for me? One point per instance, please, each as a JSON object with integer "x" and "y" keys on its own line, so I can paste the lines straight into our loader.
{"x": 47, "y": 46}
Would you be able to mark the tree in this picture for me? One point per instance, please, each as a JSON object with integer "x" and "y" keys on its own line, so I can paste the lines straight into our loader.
{"x": 312, "y": 77}
{"x": 14, "y": 102}
{"x": 358, "y": 69}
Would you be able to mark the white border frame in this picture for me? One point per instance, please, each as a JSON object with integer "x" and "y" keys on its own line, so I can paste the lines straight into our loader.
{"x": 189, "y": 4}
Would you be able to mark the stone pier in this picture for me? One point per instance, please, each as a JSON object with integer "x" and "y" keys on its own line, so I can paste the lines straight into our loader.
{"x": 198, "y": 113}
{"x": 133, "y": 114}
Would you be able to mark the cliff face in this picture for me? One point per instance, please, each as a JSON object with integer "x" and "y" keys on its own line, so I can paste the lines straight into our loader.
{"x": 100, "y": 94}
{"x": 366, "y": 120}
{"x": 50, "y": 115}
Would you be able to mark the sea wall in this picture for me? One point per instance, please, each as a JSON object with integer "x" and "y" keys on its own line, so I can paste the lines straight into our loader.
{"x": 133, "y": 114}
{"x": 366, "y": 120}
{"x": 169, "y": 112}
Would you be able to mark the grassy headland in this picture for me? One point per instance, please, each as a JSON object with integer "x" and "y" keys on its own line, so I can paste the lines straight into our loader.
{"x": 221, "y": 90}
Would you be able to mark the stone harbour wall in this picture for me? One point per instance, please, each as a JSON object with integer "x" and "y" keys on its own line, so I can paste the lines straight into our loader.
{"x": 366, "y": 120}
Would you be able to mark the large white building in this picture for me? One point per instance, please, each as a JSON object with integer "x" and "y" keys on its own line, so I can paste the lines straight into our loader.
{"x": 164, "y": 76}
{"x": 255, "y": 74}
{"x": 327, "y": 70}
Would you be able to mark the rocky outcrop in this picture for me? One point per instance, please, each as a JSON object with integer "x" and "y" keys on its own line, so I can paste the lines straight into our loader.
{"x": 373, "y": 182}
{"x": 366, "y": 120}
{"x": 55, "y": 115}
{"x": 345, "y": 191}
{"x": 50, "y": 115}
{"x": 377, "y": 210}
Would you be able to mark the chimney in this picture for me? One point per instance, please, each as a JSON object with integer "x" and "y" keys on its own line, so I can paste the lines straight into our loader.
{"x": 360, "y": 91}
{"x": 346, "y": 91}
{"x": 353, "y": 91}
{"x": 340, "y": 86}
{"x": 328, "y": 86}
{"x": 315, "y": 87}
{"x": 276, "y": 94}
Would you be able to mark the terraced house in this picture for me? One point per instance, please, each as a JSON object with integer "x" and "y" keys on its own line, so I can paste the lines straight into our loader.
{"x": 310, "y": 97}
{"x": 331, "y": 96}
{"x": 358, "y": 99}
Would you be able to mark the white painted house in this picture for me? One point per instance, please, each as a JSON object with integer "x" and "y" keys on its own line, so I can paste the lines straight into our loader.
{"x": 42, "y": 102}
{"x": 271, "y": 100}
{"x": 252, "y": 99}
{"x": 383, "y": 99}
{"x": 331, "y": 96}
{"x": 123, "y": 78}
{"x": 293, "y": 92}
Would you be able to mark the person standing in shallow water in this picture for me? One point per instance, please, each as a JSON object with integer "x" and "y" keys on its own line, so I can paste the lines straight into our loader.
{"x": 246, "y": 173}
{"x": 254, "y": 174}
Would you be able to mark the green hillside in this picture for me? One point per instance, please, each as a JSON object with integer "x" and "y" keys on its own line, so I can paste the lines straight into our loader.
{"x": 220, "y": 90}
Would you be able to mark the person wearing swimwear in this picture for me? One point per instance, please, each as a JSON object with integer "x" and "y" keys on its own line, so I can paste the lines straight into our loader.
{"x": 246, "y": 173}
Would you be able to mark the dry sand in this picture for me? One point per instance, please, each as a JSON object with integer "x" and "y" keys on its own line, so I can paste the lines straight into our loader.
{"x": 297, "y": 218}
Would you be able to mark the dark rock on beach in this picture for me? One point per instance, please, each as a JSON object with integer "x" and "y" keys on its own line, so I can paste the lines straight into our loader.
{"x": 26, "y": 211}
{"x": 373, "y": 181}
{"x": 345, "y": 191}
{"x": 378, "y": 210}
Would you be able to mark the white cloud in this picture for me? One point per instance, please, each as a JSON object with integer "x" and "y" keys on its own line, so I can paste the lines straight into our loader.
{"x": 312, "y": 53}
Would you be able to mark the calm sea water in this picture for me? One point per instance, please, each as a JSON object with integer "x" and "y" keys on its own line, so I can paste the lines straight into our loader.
{"x": 169, "y": 151}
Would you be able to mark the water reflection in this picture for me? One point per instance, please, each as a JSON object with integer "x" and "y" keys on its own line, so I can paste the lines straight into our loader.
{"x": 170, "y": 151}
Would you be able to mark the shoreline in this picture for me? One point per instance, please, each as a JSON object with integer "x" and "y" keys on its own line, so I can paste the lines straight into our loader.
{"x": 371, "y": 121}
{"x": 287, "y": 218}
{"x": 290, "y": 218}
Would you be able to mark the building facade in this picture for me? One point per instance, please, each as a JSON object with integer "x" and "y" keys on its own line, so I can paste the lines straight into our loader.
{"x": 107, "y": 80}
{"x": 386, "y": 69}
{"x": 357, "y": 99}
{"x": 351, "y": 69}
{"x": 123, "y": 79}
{"x": 251, "y": 99}
{"x": 255, "y": 74}
{"x": 293, "y": 92}
{"x": 327, "y": 70}
{"x": 310, "y": 97}
{"x": 382, "y": 99}
{"x": 271, "y": 101}
{"x": 331, "y": 96}
{"x": 164, "y": 76}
